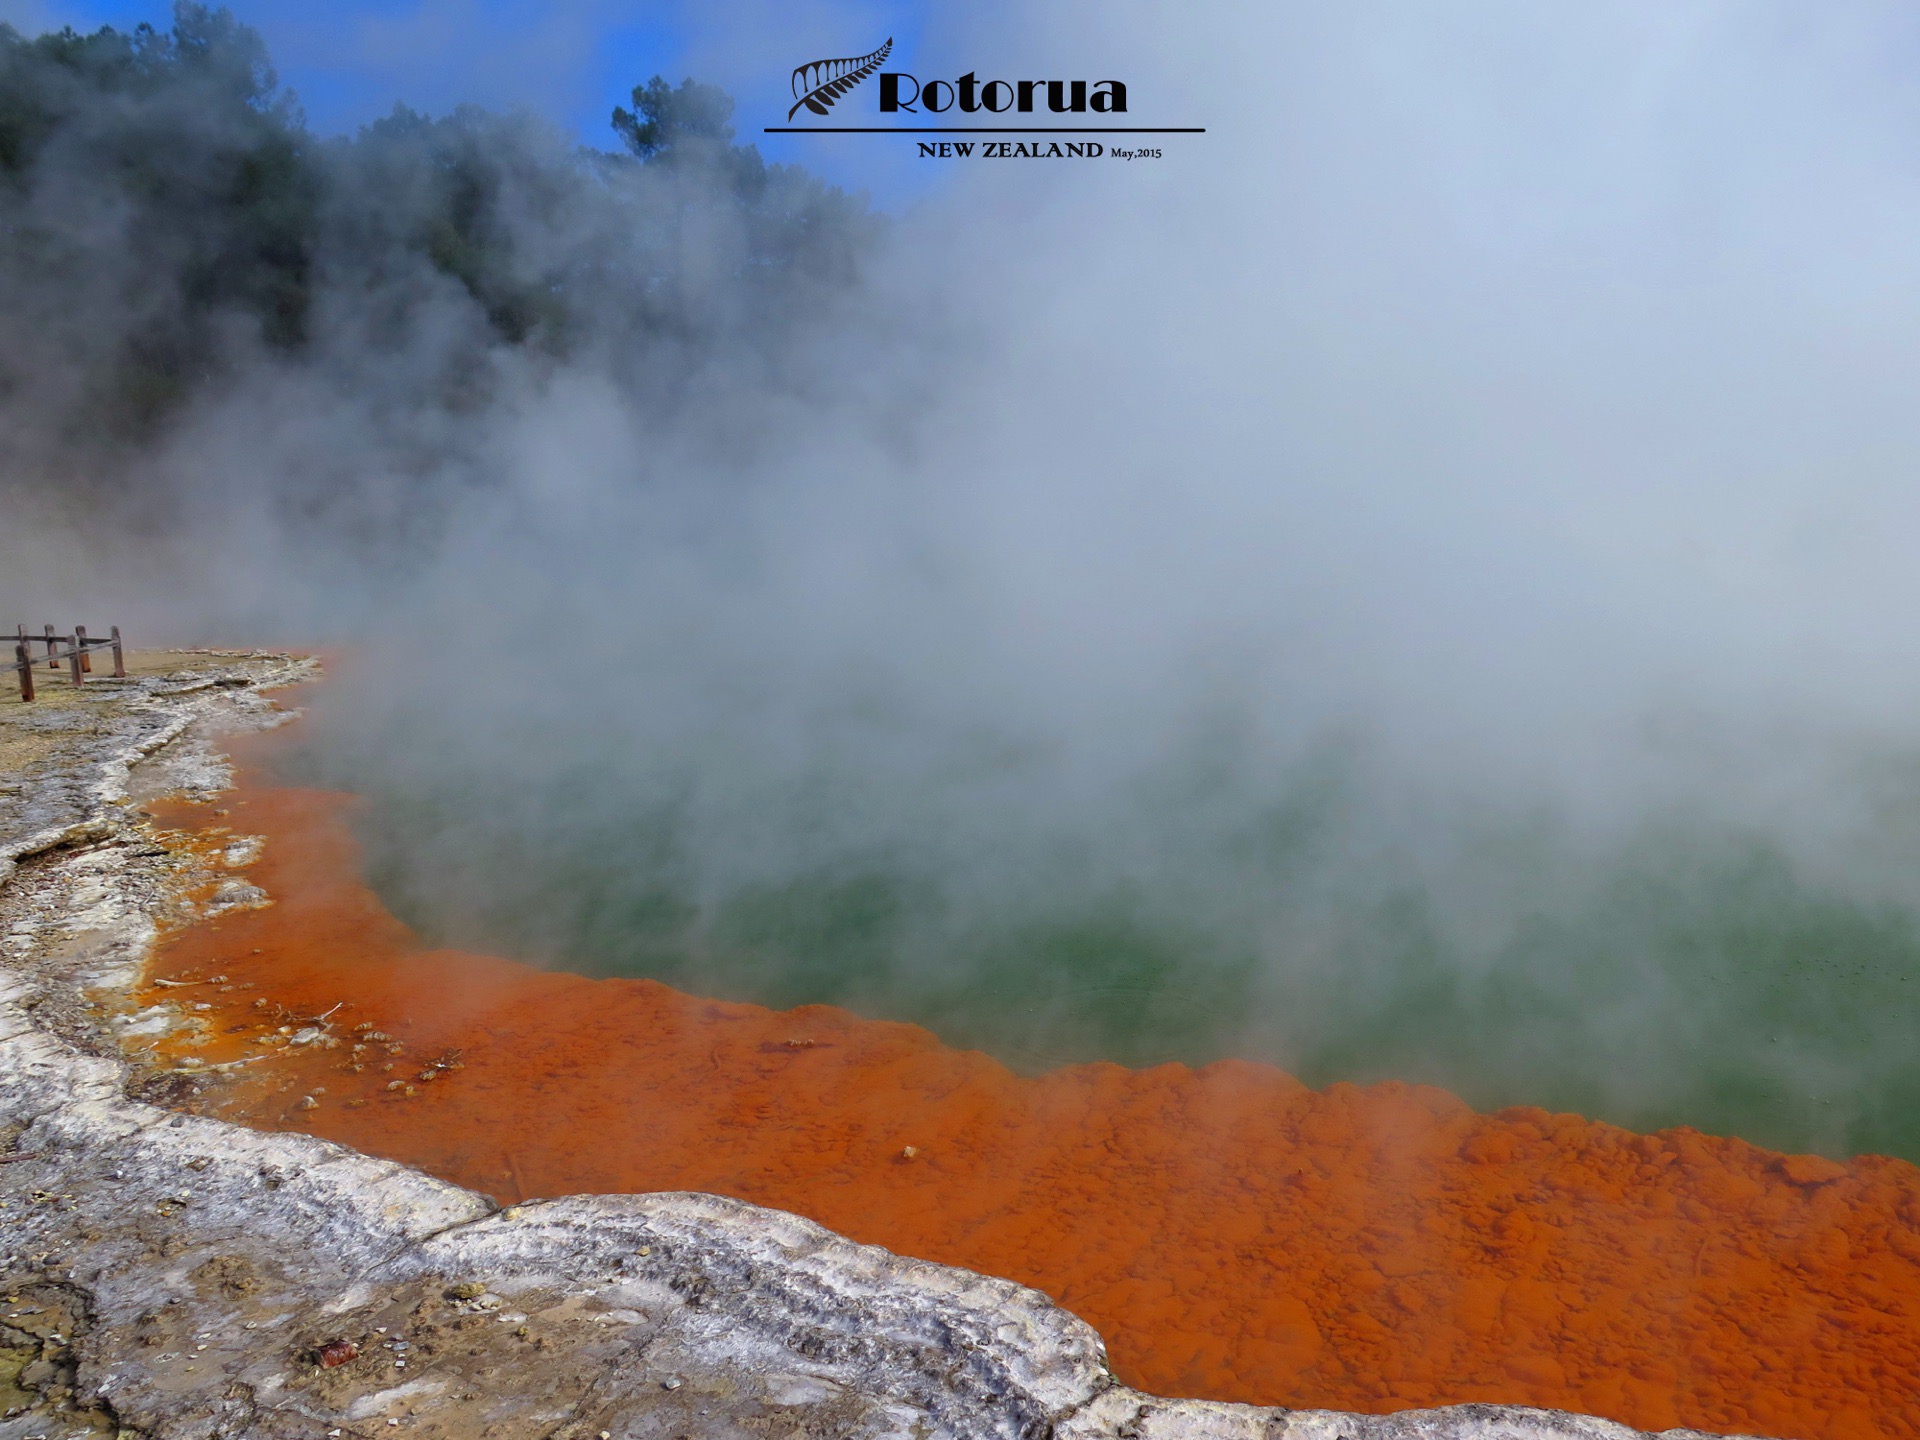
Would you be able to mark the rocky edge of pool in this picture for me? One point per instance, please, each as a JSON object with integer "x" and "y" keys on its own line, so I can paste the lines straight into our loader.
{"x": 168, "y": 1274}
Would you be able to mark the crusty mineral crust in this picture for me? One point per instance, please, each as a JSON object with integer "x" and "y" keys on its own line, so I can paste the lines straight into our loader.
{"x": 170, "y": 1275}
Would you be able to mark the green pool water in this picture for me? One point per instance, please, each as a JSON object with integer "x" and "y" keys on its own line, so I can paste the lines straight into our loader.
{"x": 1684, "y": 971}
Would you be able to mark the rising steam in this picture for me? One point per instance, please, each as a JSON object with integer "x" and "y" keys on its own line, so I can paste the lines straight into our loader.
{"x": 1416, "y": 583}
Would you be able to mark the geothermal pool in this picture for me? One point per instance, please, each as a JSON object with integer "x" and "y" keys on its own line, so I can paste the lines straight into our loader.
{"x": 1233, "y": 1233}
{"x": 1708, "y": 961}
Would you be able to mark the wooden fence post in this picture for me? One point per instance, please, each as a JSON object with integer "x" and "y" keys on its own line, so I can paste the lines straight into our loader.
{"x": 73, "y": 659}
{"x": 53, "y": 653}
{"x": 24, "y": 661}
{"x": 80, "y": 644}
{"x": 119, "y": 657}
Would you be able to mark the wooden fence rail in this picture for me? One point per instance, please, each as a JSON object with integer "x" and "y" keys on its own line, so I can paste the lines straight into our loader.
{"x": 78, "y": 655}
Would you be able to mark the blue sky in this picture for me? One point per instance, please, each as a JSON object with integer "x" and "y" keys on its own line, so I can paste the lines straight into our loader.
{"x": 571, "y": 61}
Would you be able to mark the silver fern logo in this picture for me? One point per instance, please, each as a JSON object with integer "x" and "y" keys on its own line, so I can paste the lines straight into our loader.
{"x": 818, "y": 83}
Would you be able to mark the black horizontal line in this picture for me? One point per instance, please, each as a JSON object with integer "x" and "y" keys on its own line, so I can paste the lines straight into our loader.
{"x": 984, "y": 130}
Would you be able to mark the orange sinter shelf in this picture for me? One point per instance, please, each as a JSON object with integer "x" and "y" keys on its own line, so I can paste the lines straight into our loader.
{"x": 1231, "y": 1233}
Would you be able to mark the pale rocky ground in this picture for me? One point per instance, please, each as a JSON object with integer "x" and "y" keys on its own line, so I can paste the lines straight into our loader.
{"x": 169, "y": 1275}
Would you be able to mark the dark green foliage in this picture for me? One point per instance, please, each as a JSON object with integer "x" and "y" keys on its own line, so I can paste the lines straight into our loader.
{"x": 58, "y": 81}
{"x": 792, "y": 220}
{"x": 665, "y": 120}
{"x": 153, "y": 184}
{"x": 446, "y": 191}
{"x": 172, "y": 230}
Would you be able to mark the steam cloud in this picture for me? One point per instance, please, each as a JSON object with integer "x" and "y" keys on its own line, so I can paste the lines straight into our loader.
{"x": 1414, "y": 583}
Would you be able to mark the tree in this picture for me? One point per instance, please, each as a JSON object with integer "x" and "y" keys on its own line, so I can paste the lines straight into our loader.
{"x": 664, "y": 118}
{"x": 168, "y": 225}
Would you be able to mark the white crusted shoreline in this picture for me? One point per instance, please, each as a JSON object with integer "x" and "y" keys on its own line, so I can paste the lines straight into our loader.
{"x": 173, "y": 1275}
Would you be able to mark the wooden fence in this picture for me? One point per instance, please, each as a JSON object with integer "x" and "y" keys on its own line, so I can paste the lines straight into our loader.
{"x": 78, "y": 655}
